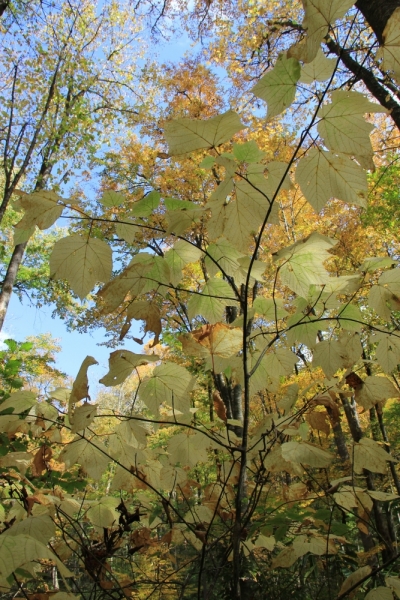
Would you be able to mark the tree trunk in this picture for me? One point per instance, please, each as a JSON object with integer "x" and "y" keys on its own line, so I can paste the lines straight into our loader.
{"x": 377, "y": 13}
{"x": 338, "y": 434}
{"x": 3, "y": 6}
{"x": 368, "y": 78}
{"x": 9, "y": 280}
{"x": 381, "y": 520}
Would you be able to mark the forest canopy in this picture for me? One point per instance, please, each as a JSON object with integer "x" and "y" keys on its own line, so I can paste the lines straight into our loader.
{"x": 230, "y": 218}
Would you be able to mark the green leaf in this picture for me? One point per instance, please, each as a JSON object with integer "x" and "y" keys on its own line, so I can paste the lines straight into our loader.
{"x": 83, "y": 262}
{"x": 278, "y": 87}
{"x": 248, "y": 152}
{"x": 146, "y": 206}
{"x": 111, "y": 199}
{"x": 207, "y": 163}
{"x": 211, "y": 303}
{"x": 186, "y": 135}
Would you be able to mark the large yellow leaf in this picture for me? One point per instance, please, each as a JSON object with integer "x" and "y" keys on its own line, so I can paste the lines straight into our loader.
{"x": 82, "y": 262}
{"x": 331, "y": 356}
{"x": 302, "y": 263}
{"x": 320, "y": 69}
{"x": 375, "y": 389}
{"x": 305, "y": 453}
{"x": 354, "y": 578}
{"x": 103, "y": 513}
{"x": 16, "y": 551}
{"x": 390, "y": 51}
{"x": 385, "y": 296}
{"x": 343, "y": 126}
{"x": 188, "y": 448}
{"x": 315, "y": 544}
{"x": 143, "y": 311}
{"x": 280, "y": 363}
{"x": 318, "y": 15}
{"x": 278, "y": 86}
{"x": 83, "y": 417}
{"x": 41, "y": 528}
{"x": 285, "y": 559}
{"x": 394, "y": 584}
{"x": 80, "y": 388}
{"x": 369, "y": 455}
{"x": 132, "y": 279}
{"x": 169, "y": 383}
{"x": 40, "y": 208}
{"x": 121, "y": 364}
{"x": 186, "y": 135}
{"x": 243, "y": 215}
{"x": 388, "y": 351}
{"x": 180, "y": 255}
{"x": 220, "y": 339}
{"x": 91, "y": 455}
{"x": 380, "y": 593}
{"x": 211, "y": 302}
{"x": 323, "y": 175}
{"x": 19, "y": 401}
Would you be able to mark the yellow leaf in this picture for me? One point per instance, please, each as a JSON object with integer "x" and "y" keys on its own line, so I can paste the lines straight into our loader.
{"x": 16, "y": 551}
{"x": 278, "y": 86}
{"x": 343, "y": 127}
{"x": 369, "y": 455}
{"x": 83, "y": 416}
{"x": 375, "y": 389}
{"x": 354, "y": 578}
{"x": 40, "y": 208}
{"x": 305, "y": 453}
{"x": 186, "y": 135}
{"x": 380, "y": 593}
{"x": 390, "y": 51}
{"x": 320, "y": 69}
{"x": 323, "y": 175}
{"x": 82, "y": 262}
{"x": 394, "y": 584}
{"x": 121, "y": 364}
{"x": 90, "y": 454}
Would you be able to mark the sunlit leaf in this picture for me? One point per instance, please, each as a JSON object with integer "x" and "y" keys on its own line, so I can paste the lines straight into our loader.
{"x": 83, "y": 262}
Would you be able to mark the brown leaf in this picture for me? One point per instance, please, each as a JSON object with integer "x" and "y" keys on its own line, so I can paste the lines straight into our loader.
{"x": 318, "y": 421}
{"x": 331, "y": 407}
{"x": 42, "y": 456}
{"x": 353, "y": 380}
{"x": 162, "y": 155}
{"x": 219, "y": 406}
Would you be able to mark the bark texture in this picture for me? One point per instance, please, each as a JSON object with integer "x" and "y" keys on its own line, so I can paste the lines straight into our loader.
{"x": 377, "y": 13}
